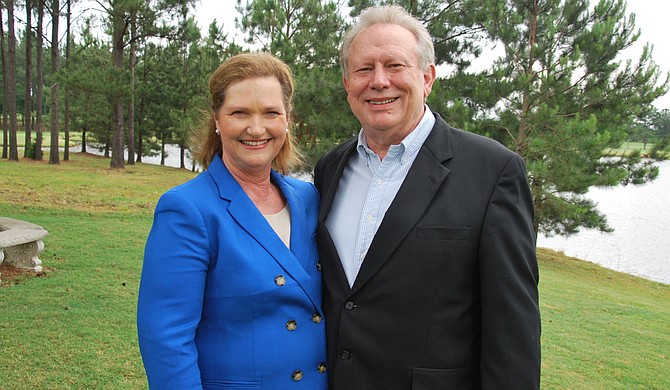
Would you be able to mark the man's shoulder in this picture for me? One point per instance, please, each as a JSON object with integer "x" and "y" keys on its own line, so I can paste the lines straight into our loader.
{"x": 465, "y": 140}
{"x": 338, "y": 152}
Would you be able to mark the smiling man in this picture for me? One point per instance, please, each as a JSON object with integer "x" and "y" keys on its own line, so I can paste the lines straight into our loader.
{"x": 425, "y": 233}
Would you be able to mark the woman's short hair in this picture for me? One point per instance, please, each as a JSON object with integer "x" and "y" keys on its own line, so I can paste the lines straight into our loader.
{"x": 206, "y": 144}
{"x": 389, "y": 14}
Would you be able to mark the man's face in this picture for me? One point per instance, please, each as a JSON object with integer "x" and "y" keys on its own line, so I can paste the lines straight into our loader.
{"x": 386, "y": 87}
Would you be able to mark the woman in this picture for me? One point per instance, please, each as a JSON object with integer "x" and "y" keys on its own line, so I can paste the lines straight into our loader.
{"x": 230, "y": 295}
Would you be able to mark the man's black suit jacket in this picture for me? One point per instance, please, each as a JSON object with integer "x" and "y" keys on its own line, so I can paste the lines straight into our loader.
{"x": 447, "y": 295}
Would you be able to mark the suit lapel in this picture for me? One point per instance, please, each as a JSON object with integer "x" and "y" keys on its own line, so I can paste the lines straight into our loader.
{"x": 416, "y": 193}
{"x": 333, "y": 179}
{"x": 414, "y": 196}
{"x": 331, "y": 182}
{"x": 250, "y": 219}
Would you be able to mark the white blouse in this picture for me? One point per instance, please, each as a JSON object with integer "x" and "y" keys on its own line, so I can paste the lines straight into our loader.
{"x": 281, "y": 223}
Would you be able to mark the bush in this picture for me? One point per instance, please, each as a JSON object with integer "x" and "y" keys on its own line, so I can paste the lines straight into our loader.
{"x": 30, "y": 150}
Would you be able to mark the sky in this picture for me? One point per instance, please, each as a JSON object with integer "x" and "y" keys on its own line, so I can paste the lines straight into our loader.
{"x": 651, "y": 18}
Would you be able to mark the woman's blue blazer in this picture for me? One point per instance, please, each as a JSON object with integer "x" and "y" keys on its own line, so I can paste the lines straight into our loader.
{"x": 223, "y": 303}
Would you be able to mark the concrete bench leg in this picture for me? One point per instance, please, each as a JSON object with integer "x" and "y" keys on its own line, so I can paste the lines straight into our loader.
{"x": 25, "y": 255}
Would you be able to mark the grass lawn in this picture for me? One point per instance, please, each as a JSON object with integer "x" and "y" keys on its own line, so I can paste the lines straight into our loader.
{"x": 75, "y": 138}
{"x": 628, "y": 147}
{"x": 74, "y": 326}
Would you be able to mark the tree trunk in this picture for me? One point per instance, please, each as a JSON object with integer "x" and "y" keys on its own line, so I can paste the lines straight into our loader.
{"x": 5, "y": 102}
{"x": 520, "y": 144}
{"x": 66, "y": 149}
{"x": 140, "y": 122}
{"x": 55, "y": 16}
{"x": 39, "y": 96}
{"x": 83, "y": 139}
{"x": 11, "y": 82}
{"x": 118, "y": 27}
{"x": 27, "y": 112}
{"x": 162, "y": 147}
{"x": 185, "y": 71}
{"x": 131, "y": 106}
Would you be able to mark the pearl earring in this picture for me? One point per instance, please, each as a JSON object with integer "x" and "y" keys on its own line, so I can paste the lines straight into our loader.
{"x": 287, "y": 129}
{"x": 217, "y": 131}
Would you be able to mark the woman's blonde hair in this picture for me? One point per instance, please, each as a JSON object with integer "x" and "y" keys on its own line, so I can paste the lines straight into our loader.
{"x": 206, "y": 144}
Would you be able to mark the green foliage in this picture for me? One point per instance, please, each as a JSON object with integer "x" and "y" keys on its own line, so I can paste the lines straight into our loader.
{"x": 303, "y": 33}
{"x": 560, "y": 98}
{"x": 93, "y": 83}
{"x": 661, "y": 124}
{"x": 171, "y": 92}
{"x": 452, "y": 24}
{"x": 322, "y": 118}
{"x": 30, "y": 150}
{"x": 653, "y": 127}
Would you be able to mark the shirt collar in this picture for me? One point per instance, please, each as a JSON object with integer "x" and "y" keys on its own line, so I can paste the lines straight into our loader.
{"x": 409, "y": 146}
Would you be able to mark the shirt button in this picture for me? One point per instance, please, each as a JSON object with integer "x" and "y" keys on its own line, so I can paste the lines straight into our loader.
{"x": 280, "y": 280}
{"x": 349, "y": 305}
{"x": 345, "y": 355}
{"x": 369, "y": 217}
{"x": 318, "y": 266}
{"x": 291, "y": 325}
{"x": 297, "y": 375}
{"x": 321, "y": 367}
{"x": 380, "y": 181}
{"x": 316, "y": 318}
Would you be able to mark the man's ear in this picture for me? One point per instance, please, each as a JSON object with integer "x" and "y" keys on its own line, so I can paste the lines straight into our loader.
{"x": 429, "y": 77}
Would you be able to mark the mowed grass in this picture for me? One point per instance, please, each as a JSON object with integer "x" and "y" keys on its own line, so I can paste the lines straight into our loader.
{"x": 75, "y": 138}
{"x": 74, "y": 327}
{"x": 629, "y": 147}
{"x": 602, "y": 329}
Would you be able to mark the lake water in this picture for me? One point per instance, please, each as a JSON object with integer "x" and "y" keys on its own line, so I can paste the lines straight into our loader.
{"x": 171, "y": 159}
{"x": 640, "y": 216}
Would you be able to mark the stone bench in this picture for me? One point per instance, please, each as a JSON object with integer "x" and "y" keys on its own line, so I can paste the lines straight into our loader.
{"x": 21, "y": 243}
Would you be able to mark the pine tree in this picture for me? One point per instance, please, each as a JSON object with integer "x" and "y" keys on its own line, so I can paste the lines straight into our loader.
{"x": 560, "y": 97}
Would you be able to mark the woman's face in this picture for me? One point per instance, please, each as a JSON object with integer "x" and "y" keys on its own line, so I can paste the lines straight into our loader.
{"x": 253, "y": 123}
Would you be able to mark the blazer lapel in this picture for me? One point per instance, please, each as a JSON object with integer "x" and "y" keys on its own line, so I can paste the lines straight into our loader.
{"x": 414, "y": 196}
{"x": 245, "y": 213}
{"x": 299, "y": 227}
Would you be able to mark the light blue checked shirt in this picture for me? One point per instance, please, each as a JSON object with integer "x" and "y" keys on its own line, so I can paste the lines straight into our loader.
{"x": 366, "y": 190}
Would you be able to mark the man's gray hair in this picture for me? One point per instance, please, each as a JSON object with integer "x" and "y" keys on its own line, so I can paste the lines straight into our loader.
{"x": 389, "y": 14}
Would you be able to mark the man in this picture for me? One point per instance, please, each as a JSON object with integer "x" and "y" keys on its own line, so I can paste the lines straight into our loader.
{"x": 425, "y": 233}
